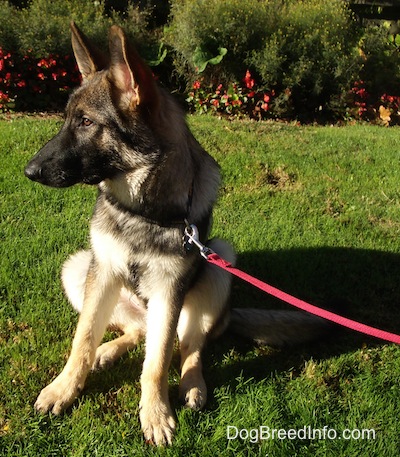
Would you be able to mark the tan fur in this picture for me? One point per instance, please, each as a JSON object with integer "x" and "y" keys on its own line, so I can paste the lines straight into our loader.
{"x": 203, "y": 306}
{"x": 130, "y": 138}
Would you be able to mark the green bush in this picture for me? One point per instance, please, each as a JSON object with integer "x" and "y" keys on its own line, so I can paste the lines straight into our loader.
{"x": 201, "y": 29}
{"x": 311, "y": 53}
{"x": 35, "y": 47}
{"x": 9, "y": 24}
{"x": 304, "y": 50}
{"x": 43, "y": 27}
{"x": 381, "y": 63}
{"x": 311, "y": 57}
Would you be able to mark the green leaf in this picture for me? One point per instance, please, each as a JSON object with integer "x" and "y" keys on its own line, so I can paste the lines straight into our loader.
{"x": 156, "y": 56}
{"x": 202, "y": 57}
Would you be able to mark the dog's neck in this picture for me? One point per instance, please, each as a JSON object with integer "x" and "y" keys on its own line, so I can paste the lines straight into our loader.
{"x": 125, "y": 191}
{"x": 126, "y": 188}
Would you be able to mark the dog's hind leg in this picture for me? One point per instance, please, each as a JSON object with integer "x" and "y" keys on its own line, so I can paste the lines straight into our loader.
{"x": 73, "y": 276}
{"x": 204, "y": 314}
{"x": 128, "y": 317}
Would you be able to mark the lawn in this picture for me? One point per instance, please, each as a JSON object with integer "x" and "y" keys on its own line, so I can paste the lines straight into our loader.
{"x": 312, "y": 210}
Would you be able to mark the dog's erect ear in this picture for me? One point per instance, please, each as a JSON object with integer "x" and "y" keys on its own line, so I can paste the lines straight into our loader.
{"x": 129, "y": 73}
{"x": 89, "y": 58}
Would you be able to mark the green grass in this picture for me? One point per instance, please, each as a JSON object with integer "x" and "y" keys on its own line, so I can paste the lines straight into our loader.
{"x": 312, "y": 210}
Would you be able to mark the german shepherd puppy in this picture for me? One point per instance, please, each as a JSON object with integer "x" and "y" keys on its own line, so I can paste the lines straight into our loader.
{"x": 125, "y": 134}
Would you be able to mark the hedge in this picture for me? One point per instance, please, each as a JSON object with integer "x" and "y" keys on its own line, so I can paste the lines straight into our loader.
{"x": 306, "y": 60}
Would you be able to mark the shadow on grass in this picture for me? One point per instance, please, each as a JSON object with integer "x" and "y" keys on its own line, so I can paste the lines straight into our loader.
{"x": 364, "y": 282}
{"x": 361, "y": 284}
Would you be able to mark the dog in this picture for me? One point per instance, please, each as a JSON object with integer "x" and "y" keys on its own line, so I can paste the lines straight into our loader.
{"x": 125, "y": 134}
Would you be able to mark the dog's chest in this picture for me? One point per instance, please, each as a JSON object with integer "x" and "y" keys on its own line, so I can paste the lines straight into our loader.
{"x": 145, "y": 261}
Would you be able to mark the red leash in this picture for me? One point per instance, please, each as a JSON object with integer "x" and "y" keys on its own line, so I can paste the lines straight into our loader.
{"x": 192, "y": 238}
{"x": 215, "y": 259}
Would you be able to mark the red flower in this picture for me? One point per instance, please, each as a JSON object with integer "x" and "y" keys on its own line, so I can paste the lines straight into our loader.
{"x": 248, "y": 80}
{"x": 196, "y": 85}
{"x": 42, "y": 63}
{"x": 4, "y": 97}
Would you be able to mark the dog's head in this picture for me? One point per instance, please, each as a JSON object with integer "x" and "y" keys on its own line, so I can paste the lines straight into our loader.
{"x": 113, "y": 111}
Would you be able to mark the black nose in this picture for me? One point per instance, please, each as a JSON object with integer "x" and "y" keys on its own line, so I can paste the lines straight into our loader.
{"x": 33, "y": 172}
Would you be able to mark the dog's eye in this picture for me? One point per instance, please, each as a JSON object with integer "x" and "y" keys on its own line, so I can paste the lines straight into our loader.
{"x": 85, "y": 122}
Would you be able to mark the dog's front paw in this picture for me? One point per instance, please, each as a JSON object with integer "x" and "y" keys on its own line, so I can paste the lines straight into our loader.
{"x": 193, "y": 391}
{"x": 57, "y": 396}
{"x": 158, "y": 424}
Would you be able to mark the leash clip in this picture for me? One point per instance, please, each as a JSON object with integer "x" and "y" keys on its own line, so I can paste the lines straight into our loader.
{"x": 192, "y": 238}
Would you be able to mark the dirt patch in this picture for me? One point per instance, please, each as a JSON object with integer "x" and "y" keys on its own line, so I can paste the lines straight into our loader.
{"x": 276, "y": 178}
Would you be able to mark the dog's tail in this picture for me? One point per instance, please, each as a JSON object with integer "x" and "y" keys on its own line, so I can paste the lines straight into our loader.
{"x": 277, "y": 327}
{"x": 272, "y": 327}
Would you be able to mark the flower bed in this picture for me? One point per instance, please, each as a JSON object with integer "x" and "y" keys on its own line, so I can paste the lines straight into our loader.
{"x": 30, "y": 83}
{"x": 236, "y": 99}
